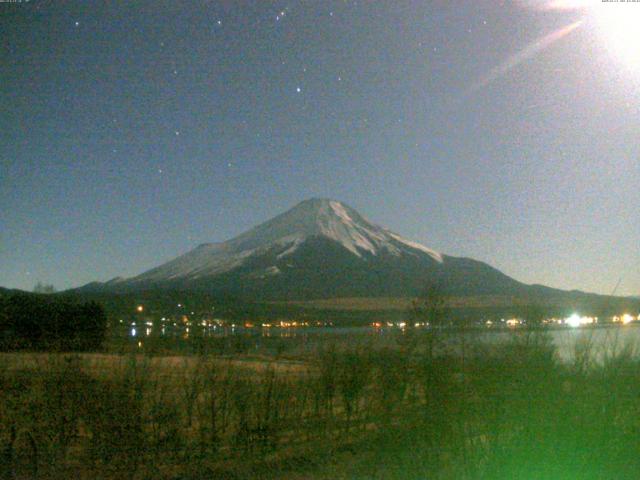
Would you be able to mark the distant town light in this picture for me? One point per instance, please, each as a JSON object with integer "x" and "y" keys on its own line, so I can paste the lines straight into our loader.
{"x": 576, "y": 320}
{"x": 573, "y": 320}
{"x": 140, "y": 308}
{"x": 626, "y": 318}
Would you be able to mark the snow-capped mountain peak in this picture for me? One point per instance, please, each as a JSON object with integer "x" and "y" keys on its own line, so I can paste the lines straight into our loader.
{"x": 330, "y": 219}
{"x": 286, "y": 233}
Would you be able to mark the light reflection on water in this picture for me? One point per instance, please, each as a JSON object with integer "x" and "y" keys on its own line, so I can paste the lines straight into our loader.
{"x": 603, "y": 341}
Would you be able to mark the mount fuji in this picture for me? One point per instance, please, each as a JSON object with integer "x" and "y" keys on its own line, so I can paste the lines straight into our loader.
{"x": 320, "y": 248}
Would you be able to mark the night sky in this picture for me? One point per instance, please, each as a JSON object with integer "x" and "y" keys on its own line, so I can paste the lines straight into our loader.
{"x": 134, "y": 131}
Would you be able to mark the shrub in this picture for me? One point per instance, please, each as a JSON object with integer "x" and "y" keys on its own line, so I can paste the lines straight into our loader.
{"x": 39, "y": 323}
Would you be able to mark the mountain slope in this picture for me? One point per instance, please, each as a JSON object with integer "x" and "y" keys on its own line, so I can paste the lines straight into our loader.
{"x": 284, "y": 234}
{"x": 320, "y": 248}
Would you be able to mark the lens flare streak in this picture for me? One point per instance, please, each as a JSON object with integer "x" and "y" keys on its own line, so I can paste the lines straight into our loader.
{"x": 524, "y": 55}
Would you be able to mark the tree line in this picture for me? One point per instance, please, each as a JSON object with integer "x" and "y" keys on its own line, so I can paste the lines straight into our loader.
{"x": 45, "y": 322}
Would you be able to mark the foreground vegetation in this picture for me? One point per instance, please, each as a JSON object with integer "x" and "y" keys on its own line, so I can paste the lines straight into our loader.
{"x": 411, "y": 409}
{"x": 45, "y": 322}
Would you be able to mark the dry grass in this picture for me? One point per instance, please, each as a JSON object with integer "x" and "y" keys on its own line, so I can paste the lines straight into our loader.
{"x": 508, "y": 410}
{"x": 171, "y": 365}
{"x": 403, "y": 303}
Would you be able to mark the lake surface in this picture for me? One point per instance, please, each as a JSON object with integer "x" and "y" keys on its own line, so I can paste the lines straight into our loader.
{"x": 603, "y": 341}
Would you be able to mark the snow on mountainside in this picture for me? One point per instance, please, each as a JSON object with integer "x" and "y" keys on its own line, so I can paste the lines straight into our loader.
{"x": 285, "y": 233}
{"x": 323, "y": 249}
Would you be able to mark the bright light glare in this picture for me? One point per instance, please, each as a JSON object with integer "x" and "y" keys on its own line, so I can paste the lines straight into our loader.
{"x": 620, "y": 26}
{"x": 617, "y": 23}
{"x": 573, "y": 320}
{"x": 626, "y": 318}
{"x": 576, "y": 320}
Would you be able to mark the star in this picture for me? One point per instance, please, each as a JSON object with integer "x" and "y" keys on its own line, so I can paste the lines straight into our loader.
{"x": 219, "y": 22}
{"x": 298, "y": 89}
{"x": 159, "y": 170}
{"x": 177, "y": 133}
{"x": 77, "y": 24}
